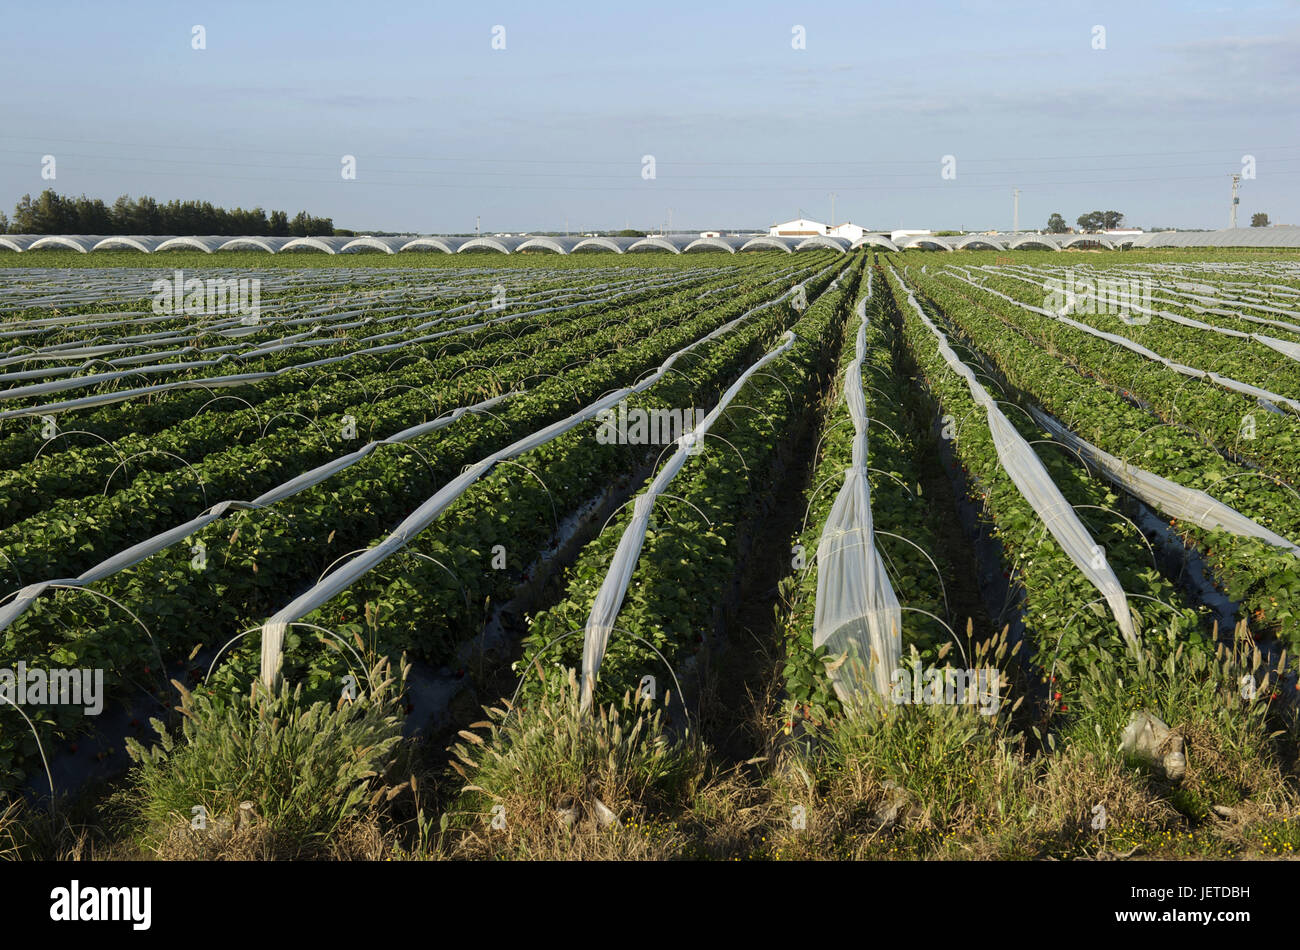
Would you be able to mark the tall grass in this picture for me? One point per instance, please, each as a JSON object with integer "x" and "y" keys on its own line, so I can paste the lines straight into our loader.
{"x": 268, "y": 766}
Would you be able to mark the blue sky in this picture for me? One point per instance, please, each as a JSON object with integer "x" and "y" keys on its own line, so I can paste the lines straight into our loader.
{"x": 745, "y": 130}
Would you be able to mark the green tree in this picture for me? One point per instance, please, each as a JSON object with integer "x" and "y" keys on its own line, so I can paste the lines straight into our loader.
{"x": 49, "y": 213}
{"x": 1259, "y": 220}
{"x": 1112, "y": 219}
{"x": 24, "y": 216}
{"x": 146, "y": 217}
{"x": 53, "y": 214}
{"x": 4, "y": 223}
{"x": 1056, "y": 224}
{"x": 1092, "y": 221}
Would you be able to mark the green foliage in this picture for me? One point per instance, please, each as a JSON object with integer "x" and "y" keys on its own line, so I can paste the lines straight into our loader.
{"x": 893, "y": 460}
{"x": 1197, "y": 445}
{"x": 51, "y": 213}
{"x": 1100, "y": 220}
{"x": 692, "y": 549}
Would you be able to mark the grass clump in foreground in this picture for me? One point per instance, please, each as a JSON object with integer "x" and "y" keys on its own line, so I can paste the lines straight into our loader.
{"x": 273, "y": 775}
{"x": 548, "y": 781}
{"x": 1222, "y": 700}
{"x": 1043, "y": 777}
{"x": 936, "y": 781}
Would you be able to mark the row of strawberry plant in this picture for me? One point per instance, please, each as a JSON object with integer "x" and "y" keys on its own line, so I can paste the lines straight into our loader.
{"x": 1063, "y": 617}
{"x": 191, "y": 344}
{"x": 1262, "y": 578}
{"x": 684, "y": 580}
{"x": 25, "y": 437}
{"x": 1223, "y": 418}
{"x": 904, "y": 520}
{"x": 1245, "y": 361}
{"x": 481, "y": 548}
{"x": 80, "y": 469}
{"x": 246, "y": 573}
{"x": 70, "y": 535}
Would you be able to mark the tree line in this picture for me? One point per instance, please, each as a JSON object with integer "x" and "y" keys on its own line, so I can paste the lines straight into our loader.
{"x": 51, "y": 213}
{"x": 1092, "y": 221}
{"x": 1106, "y": 220}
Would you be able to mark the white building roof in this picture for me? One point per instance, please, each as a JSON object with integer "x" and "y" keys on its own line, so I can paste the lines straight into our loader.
{"x": 801, "y": 226}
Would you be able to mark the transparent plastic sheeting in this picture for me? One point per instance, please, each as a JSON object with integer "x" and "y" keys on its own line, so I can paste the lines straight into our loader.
{"x": 1224, "y": 381}
{"x": 1035, "y": 279}
{"x": 1031, "y": 478}
{"x": 273, "y": 631}
{"x": 206, "y": 382}
{"x": 1284, "y": 347}
{"x": 236, "y": 380}
{"x": 145, "y": 549}
{"x": 31, "y": 288}
{"x": 316, "y": 323}
{"x": 136, "y": 553}
{"x": 296, "y": 312}
{"x": 1217, "y": 303}
{"x": 1177, "y": 501}
{"x": 857, "y": 615}
{"x": 604, "y": 611}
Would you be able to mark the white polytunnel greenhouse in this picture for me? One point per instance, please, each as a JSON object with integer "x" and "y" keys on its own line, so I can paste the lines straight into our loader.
{"x": 875, "y": 240}
{"x": 327, "y": 245}
{"x": 385, "y": 245}
{"x": 616, "y": 244}
{"x": 766, "y": 242}
{"x": 655, "y": 242}
{"x": 127, "y": 242}
{"x": 445, "y": 245}
{"x": 73, "y": 242}
{"x": 269, "y": 244}
{"x": 822, "y": 240}
{"x": 206, "y": 244}
{"x": 729, "y": 245}
{"x": 1227, "y": 237}
{"x": 17, "y": 242}
{"x": 1278, "y": 236}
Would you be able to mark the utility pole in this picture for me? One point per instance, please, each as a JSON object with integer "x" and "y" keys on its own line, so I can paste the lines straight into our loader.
{"x": 833, "y": 197}
{"x": 477, "y": 217}
{"x": 1232, "y": 223}
{"x": 1015, "y": 212}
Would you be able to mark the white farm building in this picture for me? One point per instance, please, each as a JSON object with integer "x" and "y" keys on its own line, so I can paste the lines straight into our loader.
{"x": 803, "y": 227}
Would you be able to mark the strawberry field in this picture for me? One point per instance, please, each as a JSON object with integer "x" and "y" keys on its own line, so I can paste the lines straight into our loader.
{"x": 760, "y": 555}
